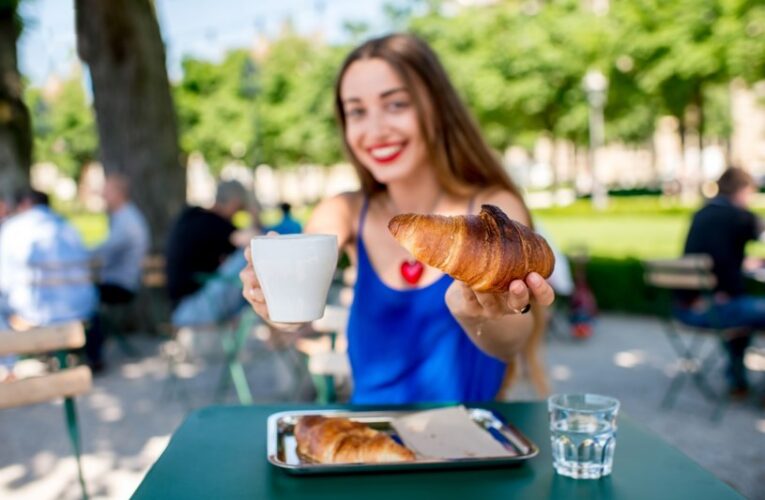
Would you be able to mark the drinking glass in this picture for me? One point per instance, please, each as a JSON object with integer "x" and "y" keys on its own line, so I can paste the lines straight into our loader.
{"x": 583, "y": 434}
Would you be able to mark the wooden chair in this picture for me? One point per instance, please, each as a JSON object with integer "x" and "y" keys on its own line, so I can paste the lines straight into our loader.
{"x": 690, "y": 273}
{"x": 65, "y": 382}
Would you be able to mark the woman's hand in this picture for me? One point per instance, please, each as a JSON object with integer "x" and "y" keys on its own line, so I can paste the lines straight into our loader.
{"x": 251, "y": 289}
{"x": 467, "y": 304}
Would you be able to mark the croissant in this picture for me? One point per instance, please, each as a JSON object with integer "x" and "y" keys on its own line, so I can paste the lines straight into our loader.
{"x": 487, "y": 251}
{"x": 340, "y": 440}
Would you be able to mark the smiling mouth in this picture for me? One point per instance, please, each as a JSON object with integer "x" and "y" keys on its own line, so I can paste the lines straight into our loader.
{"x": 387, "y": 153}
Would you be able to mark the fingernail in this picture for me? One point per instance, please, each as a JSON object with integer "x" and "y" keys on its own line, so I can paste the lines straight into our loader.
{"x": 534, "y": 279}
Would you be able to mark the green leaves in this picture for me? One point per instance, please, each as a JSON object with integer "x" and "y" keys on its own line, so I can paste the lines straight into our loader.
{"x": 63, "y": 125}
{"x": 519, "y": 65}
{"x": 274, "y": 109}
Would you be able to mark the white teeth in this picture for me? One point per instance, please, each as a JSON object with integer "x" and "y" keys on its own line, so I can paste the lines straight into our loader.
{"x": 386, "y": 151}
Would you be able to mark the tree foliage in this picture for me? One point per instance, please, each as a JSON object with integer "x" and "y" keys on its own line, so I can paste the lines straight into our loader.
{"x": 519, "y": 64}
{"x": 64, "y": 126}
{"x": 275, "y": 109}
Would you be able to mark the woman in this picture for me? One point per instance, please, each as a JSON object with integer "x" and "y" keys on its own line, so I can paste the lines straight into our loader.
{"x": 415, "y": 334}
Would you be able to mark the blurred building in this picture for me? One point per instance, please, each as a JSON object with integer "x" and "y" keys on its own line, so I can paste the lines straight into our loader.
{"x": 748, "y": 119}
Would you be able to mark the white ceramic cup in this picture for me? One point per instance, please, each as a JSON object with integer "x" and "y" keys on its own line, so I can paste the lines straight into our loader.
{"x": 295, "y": 272}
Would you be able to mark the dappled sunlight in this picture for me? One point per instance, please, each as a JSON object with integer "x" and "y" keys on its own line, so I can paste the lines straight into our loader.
{"x": 101, "y": 399}
{"x": 11, "y": 473}
{"x": 124, "y": 481}
{"x": 43, "y": 462}
{"x": 108, "y": 407}
{"x": 755, "y": 361}
{"x": 155, "y": 446}
{"x": 60, "y": 478}
{"x": 760, "y": 425}
{"x": 560, "y": 373}
{"x": 137, "y": 370}
{"x": 187, "y": 370}
{"x": 112, "y": 414}
{"x": 107, "y": 475}
{"x": 629, "y": 359}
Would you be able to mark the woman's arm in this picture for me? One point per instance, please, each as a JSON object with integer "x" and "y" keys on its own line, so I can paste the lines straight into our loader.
{"x": 337, "y": 216}
{"x": 494, "y": 322}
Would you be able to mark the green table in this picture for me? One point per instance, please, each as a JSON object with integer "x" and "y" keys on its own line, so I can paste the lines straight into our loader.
{"x": 220, "y": 453}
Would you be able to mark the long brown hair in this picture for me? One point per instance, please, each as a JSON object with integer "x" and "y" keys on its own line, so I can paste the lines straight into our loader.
{"x": 462, "y": 159}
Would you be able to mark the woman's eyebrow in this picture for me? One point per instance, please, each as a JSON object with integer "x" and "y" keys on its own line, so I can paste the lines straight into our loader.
{"x": 350, "y": 100}
{"x": 393, "y": 91}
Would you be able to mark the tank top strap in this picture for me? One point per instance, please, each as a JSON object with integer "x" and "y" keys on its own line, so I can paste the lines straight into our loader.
{"x": 363, "y": 216}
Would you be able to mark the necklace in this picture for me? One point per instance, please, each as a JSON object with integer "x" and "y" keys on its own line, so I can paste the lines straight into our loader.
{"x": 412, "y": 269}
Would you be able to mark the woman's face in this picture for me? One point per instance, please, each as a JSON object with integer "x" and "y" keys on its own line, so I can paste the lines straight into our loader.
{"x": 382, "y": 127}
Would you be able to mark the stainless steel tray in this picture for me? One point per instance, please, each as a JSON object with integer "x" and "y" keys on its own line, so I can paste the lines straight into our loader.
{"x": 282, "y": 447}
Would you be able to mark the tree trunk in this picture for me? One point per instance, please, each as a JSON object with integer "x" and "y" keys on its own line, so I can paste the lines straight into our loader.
{"x": 15, "y": 125}
{"x": 120, "y": 42}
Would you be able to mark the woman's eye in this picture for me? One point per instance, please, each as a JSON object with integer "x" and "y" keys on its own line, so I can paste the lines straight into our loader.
{"x": 398, "y": 105}
{"x": 354, "y": 113}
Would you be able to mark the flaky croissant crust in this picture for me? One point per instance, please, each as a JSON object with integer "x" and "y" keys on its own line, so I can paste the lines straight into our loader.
{"x": 487, "y": 251}
{"x": 340, "y": 440}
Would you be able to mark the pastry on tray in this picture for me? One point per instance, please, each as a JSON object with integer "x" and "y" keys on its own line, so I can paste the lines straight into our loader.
{"x": 340, "y": 441}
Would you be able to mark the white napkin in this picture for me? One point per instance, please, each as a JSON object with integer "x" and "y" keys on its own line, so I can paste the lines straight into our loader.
{"x": 447, "y": 433}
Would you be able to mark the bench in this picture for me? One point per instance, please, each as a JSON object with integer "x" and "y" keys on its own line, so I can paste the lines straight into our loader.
{"x": 64, "y": 383}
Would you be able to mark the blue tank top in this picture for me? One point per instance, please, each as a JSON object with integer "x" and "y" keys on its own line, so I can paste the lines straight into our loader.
{"x": 406, "y": 347}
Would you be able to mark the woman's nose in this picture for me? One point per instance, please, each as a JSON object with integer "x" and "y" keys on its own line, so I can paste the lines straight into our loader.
{"x": 377, "y": 125}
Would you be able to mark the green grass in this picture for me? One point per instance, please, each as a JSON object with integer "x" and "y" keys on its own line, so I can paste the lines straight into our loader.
{"x": 92, "y": 226}
{"x": 638, "y": 226}
{"x": 640, "y": 236}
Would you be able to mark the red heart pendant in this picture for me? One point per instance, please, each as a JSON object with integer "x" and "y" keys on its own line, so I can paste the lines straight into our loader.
{"x": 411, "y": 271}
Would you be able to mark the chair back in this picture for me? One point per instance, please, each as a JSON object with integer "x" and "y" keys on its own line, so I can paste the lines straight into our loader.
{"x": 335, "y": 320}
{"x": 690, "y": 272}
{"x": 64, "y": 273}
{"x": 153, "y": 275}
{"x": 63, "y": 383}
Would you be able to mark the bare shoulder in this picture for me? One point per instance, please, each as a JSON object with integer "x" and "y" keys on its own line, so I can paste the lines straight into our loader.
{"x": 510, "y": 203}
{"x": 336, "y": 215}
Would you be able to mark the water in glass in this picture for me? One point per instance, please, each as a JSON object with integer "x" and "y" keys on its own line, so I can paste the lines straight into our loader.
{"x": 583, "y": 434}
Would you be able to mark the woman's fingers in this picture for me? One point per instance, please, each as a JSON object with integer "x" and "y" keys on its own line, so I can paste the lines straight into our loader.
{"x": 469, "y": 298}
{"x": 518, "y": 297}
{"x": 251, "y": 289}
{"x": 493, "y": 304}
{"x": 541, "y": 290}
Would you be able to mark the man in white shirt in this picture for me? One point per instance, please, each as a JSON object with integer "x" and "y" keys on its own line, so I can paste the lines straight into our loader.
{"x": 44, "y": 267}
{"x": 120, "y": 256}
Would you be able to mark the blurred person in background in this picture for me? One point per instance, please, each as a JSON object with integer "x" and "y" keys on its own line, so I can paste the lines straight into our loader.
{"x": 288, "y": 224}
{"x": 119, "y": 258}
{"x": 721, "y": 229}
{"x": 45, "y": 274}
{"x": 202, "y": 266}
{"x": 6, "y": 362}
{"x": 5, "y": 208}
